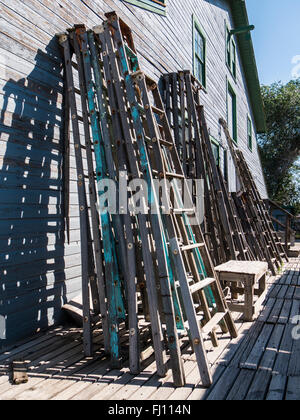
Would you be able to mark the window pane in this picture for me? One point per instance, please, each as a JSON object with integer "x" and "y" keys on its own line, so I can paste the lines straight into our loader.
{"x": 230, "y": 113}
{"x": 232, "y": 117}
{"x": 249, "y": 133}
{"x": 225, "y": 169}
{"x": 199, "y": 71}
{"x": 233, "y": 67}
{"x": 216, "y": 152}
{"x": 228, "y": 48}
{"x": 199, "y": 45}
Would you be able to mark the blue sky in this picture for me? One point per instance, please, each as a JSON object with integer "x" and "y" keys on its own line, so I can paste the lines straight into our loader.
{"x": 276, "y": 38}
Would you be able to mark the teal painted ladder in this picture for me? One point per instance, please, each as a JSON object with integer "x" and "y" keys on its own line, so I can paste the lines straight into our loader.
{"x": 187, "y": 249}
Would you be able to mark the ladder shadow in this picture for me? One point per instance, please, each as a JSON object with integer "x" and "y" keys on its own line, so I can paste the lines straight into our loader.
{"x": 32, "y": 265}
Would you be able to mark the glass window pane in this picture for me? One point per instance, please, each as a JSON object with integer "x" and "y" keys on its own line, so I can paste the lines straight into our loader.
{"x": 199, "y": 71}
{"x": 216, "y": 152}
{"x": 231, "y": 114}
{"x": 199, "y": 45}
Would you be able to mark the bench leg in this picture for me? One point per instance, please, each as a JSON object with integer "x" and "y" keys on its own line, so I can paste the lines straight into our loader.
{"x": 249, "y": 300}
{"x": 262, "y": 284}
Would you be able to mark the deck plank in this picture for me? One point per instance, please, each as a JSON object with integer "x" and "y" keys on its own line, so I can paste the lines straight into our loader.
{"x": 284, "y": 352}
{"x": 224, "y": 385}
{"x": 277, "y": 388}
{"x": 293, "y": 389}
{"x": 258, "y": 349}
{"x": 241, "y": 386}
{"x": 272, "y": 347}
{"x": 259, "y": 387}
{"x": 263, "y": 362}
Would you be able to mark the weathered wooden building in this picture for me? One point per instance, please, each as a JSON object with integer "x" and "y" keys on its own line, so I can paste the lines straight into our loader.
{"x": 39, "y": 270}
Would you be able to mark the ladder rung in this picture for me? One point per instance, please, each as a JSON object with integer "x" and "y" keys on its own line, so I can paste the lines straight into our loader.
{"x": 157, "y": 110}
{"x": 201, "y": 285}
{"x": 161, "y": 141}
{"x": 216, "y": 319}
{"x": 191, "y": 247}
{"x": 166, "y": 143}
{"x": 131, "y": 53}
{"x": 180, "y": 211}
{"x": 172, "y": 175}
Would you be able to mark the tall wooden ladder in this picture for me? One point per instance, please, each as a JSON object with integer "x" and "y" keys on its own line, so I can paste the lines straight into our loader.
{"x": 91, "y": 258}
{"x": 116, "y": 68}
{"x": 189, "y": 255}
{"x": 275, "y": 244}
{"x": 254, "y": 208}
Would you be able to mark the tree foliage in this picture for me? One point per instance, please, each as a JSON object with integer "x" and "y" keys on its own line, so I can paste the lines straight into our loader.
{"x": 280, "y": 146}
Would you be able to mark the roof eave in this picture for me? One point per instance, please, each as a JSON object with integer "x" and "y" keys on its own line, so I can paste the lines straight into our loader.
{"x": 240, "y": 18}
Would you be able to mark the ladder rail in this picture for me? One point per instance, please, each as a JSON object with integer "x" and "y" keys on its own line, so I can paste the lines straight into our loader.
{"x": 108, "y": 48}
{"x": 113, "y": 282}
{"x": 87, "y": 329}
{"x": 93, "y": 202}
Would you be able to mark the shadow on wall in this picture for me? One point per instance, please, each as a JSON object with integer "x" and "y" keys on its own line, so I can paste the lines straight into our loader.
{"x": 32, "y": 265}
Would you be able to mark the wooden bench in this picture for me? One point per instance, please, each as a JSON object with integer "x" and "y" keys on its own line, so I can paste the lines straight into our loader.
{"x": 249, "y": 274}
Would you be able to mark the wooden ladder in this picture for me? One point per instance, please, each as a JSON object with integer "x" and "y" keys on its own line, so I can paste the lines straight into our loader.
{"x": 224, "y": 235}
{"x": 198, "y": 283}
{"x": 92, "y": 280}
{"x": 199, "y": 287}
{"x": 116, "y": 59}
{"x": 275, "y": 243}
{"x": 254, "y": 209}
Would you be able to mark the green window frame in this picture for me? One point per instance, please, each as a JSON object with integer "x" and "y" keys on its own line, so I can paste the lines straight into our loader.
{"x": 199, "y": 53}
{"x": 216, "y": 150}
{"x": 230, "y": 53}
{"x": 225, "y": 166}
{"x": 156, "y": 6}
{"x": 249, "y": 133}
{"x": 231, "y": 96}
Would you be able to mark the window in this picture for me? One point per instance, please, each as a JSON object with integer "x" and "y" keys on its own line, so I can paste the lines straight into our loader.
{"x": 230, "y": 53}
{"x": 249, "y": 133}
{"x": 199, "y": 54}
{"x": 216, "y": 150}
{"x": 157, "y": 6}
{"x": 225, "y": 168}
{"x": 232, "y": 113}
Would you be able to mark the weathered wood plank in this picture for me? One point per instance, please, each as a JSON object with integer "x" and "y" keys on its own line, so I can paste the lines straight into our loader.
{"x": 275, "y": 312}
{"x": 259, "y": 348}
{"x": 241, "y": 386}
{"x": 271, "y": 351}
{"x": 259, "y": 386}
{"x": 277, "y": 388}
{"x": 293, "y": 389}
{"x": 284, "y": 352}
{"x": 224, "y": 385}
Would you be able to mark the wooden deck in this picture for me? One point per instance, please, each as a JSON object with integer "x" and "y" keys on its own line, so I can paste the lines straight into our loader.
{"x": 262, "y": 363}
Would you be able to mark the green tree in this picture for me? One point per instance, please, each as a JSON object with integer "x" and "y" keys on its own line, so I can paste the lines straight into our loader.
{"x": 280, "y": 145}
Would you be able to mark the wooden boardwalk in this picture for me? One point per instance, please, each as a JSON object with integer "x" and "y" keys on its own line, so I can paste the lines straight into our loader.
{"x": 262, "y": 363}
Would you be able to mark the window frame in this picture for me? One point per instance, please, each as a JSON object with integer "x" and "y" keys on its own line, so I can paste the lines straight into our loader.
{"x": 231, "y": 59}
{"x": 225, "y": 166}
{"x": 231, "y": 91}
{"x": 156, "y": 6}
{"x": 197, "y": 27}
{"x": 249, "y": 133}
{"x": 217, "y": 144}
